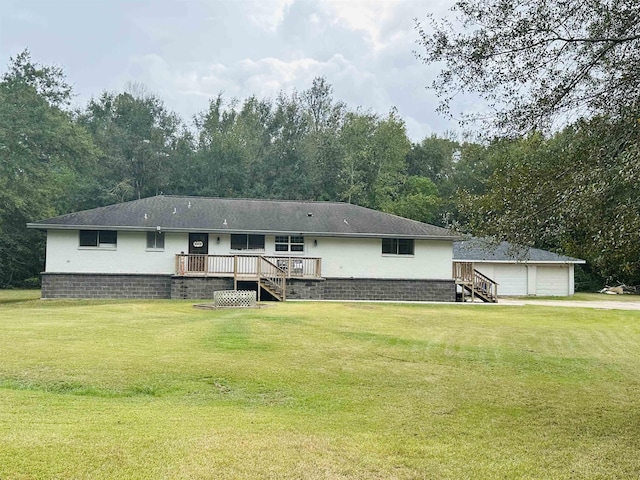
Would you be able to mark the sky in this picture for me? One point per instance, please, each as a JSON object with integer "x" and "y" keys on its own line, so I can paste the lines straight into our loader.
{"x": 188, "y": 51}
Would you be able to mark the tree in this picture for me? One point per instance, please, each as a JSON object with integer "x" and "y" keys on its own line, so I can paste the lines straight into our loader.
{"x": 355, "y": 139}
{"x": 323, "y": 112}
{"x": 373, "y": 166}
{"x": 42, "y": 152}
{"x": 473, "y": 167}
{"x": 538, "y": 62}
{"x": 543, "y": 65}
{"x": 567, "y": 193}
{"x": 138, "y": 138}
{"x": 220, "y": 162}
{"x": 432, "y": 158}
{"x": 321, "y": 144}
{"x": 285, "y": 168}
{"x": 418, "y": 199}
{"x": 387, "y": 171}
{"x": 254, "y": 132}
{"x": 48, "y": 81}
{"x": 470, "y": 171}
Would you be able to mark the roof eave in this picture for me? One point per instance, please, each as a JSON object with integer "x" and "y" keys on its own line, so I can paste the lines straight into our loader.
{"x": 515, "y": 260}
{"x": 149, "y": 228}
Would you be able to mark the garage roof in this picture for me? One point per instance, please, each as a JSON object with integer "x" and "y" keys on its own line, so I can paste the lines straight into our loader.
{"x": 485, "y": 250}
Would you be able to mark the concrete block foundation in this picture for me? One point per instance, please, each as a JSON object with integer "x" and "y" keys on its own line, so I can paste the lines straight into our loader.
{"x": 93, "y": 285}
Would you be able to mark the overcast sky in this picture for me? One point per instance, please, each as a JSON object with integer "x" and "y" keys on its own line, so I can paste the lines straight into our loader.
{"x": 187, "y": 51}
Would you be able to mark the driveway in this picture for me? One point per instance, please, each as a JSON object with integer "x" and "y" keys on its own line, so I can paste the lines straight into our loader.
{"x": 601, "y": 304}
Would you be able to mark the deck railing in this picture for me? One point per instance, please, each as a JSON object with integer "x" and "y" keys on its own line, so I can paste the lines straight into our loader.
{"x": 485, "y": 287}
{"x": 463, "y": 272}
{"x": 272, "y": 277}
{"x": 246, "y": 266}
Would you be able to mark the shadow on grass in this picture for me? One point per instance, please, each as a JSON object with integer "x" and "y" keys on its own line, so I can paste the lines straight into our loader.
{"x": 18, "y": 296}
{"x": 63, "y": 387}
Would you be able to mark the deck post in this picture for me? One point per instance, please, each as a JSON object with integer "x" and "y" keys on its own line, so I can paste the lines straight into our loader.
{"x": 259, "y": 270}
{"x": 235, "y": 272}
{"x": 473, "y": 285}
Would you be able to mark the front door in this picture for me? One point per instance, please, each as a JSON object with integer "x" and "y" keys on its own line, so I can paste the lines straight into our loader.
{"x": 198, "y": 250}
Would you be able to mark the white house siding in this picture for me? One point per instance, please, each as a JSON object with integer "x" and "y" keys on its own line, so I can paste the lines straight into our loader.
{"x": 64, "y": 255}
{"x": 341, "y": 257}
{"x": 529, "y": 279}
{"x": 363, "y": 258}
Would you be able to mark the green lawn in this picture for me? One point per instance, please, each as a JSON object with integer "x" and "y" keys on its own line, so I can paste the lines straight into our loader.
{"x": 161, "y": 390}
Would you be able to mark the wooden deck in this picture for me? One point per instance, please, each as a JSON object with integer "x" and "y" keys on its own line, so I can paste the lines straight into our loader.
{"x": 270, "y": 272}
{"x": 245, "y": 266}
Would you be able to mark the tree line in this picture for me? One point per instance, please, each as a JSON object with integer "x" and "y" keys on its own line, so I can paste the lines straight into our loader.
{"x": 560, "y": 80}
{"x": 304, "y": 145}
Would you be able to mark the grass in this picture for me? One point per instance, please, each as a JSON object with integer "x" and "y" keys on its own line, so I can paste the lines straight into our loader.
{"x": 602, "y": 297}
{"x": 158, "y": 389}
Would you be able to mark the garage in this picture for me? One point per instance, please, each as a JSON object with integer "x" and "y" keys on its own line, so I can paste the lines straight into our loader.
{"x": 519, "y": 270}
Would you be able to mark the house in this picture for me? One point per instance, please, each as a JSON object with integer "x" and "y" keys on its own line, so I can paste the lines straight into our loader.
{"x": 518, "y": 270}
{"x": 189, "y": 247}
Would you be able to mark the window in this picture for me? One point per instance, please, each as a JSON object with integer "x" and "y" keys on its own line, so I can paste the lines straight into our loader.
{"x": 240, "y": 241}
{"x": 98, "y": 238}
{"x": 155, "y": 240}
{"x": 397, "y": 246}
{"x": 289, "y": 243}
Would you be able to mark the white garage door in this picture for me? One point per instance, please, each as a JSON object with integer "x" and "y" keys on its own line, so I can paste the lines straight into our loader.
{"x": 552, "y": 280}
{"x": 512, "y": 279}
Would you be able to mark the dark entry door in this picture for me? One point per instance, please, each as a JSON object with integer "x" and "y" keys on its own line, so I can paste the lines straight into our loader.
{"x": 198, "y": 250}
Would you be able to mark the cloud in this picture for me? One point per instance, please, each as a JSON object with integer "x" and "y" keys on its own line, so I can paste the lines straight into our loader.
{"x": 264, "y": 77}
{"x": 365, "y": 16}
{"x": 28, "y": 17}
{"x": 189, "y": 51}
{"x": 267, "y": 15}
{"x": 363, "y": 51}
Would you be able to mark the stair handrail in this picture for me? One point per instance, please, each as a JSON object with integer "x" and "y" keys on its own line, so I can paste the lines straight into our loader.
{"x": 484, "y": 285}
{"x": 275, "y": 275}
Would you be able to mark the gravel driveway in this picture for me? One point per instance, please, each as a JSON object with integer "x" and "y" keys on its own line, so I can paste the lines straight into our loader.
{"x": 601, "y": 304}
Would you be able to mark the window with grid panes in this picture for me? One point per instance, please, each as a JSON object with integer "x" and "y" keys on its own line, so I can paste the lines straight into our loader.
{"x": 289, "y": 243}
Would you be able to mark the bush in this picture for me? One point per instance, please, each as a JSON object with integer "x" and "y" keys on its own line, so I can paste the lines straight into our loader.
{"x": 586, "y": 280}
{"x": 32, "y": 282}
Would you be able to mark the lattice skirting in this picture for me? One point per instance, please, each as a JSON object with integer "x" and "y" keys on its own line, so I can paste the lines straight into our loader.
{"x": 234, "y": 298}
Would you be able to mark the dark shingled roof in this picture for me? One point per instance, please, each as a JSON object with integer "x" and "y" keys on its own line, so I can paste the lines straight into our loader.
{"x": 479, "y": 249}
{"x": 172, "y": 213}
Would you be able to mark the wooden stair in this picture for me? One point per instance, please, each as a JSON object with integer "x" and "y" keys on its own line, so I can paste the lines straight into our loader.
{"x": 475, "y": 283}
{"x": 274, "y": 290}
{"x": 272, "y": 279}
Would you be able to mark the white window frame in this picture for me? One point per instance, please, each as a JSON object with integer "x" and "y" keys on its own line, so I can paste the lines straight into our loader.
{"x": 153, "y": 245}
{"x": 100, "y": 240}
{"x": 396, "y": 247}
{"x": 247, "y": 243}
{"x": 289, "y": 243}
